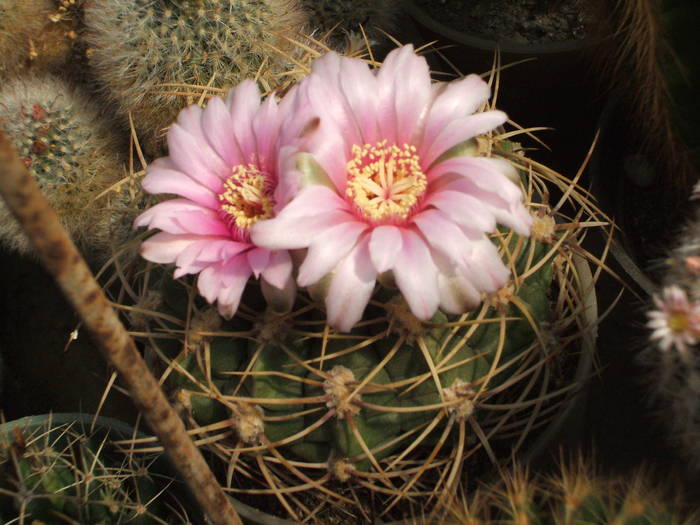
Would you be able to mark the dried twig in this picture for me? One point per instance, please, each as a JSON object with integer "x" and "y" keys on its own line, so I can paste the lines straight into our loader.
{"x": 59, "y": 254}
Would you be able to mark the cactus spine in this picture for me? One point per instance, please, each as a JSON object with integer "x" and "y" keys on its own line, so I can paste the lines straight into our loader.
{"x": 573, "y": 495}
{"x": 69, "y": 150}
{"x": 145, "y": 51}
{"x": 51, "y": 473}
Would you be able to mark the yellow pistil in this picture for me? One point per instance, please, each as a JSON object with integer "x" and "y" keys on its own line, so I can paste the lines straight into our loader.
{"x": 385, "y": 182}
{"x": 246, "y": 197}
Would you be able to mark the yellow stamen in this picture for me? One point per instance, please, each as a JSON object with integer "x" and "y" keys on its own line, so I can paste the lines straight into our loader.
{"x": 385, "y": 182}
{"x": 246, "y": 197}
{"x": 678, "y": 322}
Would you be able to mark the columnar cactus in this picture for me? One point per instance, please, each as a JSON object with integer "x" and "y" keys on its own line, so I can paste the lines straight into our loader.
{"x": 571, "y": 496}
{"x": 673, "y": 355}
{"x": 145, "y": 53}
{"x": 60, "y": 472}
{"x": 67, "y": 147}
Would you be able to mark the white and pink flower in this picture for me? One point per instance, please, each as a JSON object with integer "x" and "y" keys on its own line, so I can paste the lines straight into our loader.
{"x": 224, "y": 163}
{"x": 676, "y": 322}
{"x": 384, "y": 193}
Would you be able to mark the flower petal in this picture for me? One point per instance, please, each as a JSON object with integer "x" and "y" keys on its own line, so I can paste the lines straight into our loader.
{"x": 458, "y": 130}
{"x": 403, "y": 83}
{"x": 258, "y": 259}
{"x": 218, "y": 128}
{"x": 279, "y": 269}
{"x": 279, "y": 300}
{"x": 188, "y": 158}
{"x": 351, "y": 287}
{"x": 242, "y": 102}
{"x": 190, "y": 120}
{"x": 444, "y": 236}
{"x": 384, "y": 247}
{"x": 416, "y": 276}
{"x": 463, "y": 209}
{"x": 328, "y": 249}
{"x": 224, "y": 282}
{"x": 182, "y": 216}
{"x": 162, "y": 178}
{"x": 454, "y": 99}
{"x": 206, "y": 252}
{"x": 163, "y": 248}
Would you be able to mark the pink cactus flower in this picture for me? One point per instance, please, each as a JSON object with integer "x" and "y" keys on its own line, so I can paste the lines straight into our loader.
{"x": 676, "y": 322}
{"x": 382, "y": 192}
{"x": 224, "y": 163}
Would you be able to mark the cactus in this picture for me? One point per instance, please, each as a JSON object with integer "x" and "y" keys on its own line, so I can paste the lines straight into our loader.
{"x": 69, "y": 150}
{"x": 144, "y": 52}
{"x": 54, "y": 472}
{"x": 37, "y": 34}
{"x": 673, "y": 356}
{"x": 348, "y": 16}
{"x": 572, "y": 495}
{"x": 397, "y": 407}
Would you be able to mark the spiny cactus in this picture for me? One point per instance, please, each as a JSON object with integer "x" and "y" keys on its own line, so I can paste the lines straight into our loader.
{"x": 68, "y": 149}
{"x": 574, "y": 495}
{"x": 37, "y": 34}
{"x": 348, "y": 16}
{"x": 53, "y": 472}
{"x": 673, "y": 357}
{"x": 397, "y": 407}
{"x": 146, "y": 52}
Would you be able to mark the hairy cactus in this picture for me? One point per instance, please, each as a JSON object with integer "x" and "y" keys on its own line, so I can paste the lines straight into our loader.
{"x": 69, "y": 151}
{"x": 397, "y": 407}
{"x": 574, "y": 495}
{"x": 673, "y": 357}
{"x": 54, "y": 472}
{"x": 348, "y": 16}
{"x": 146, "y": 54}
{"x": 37, "y": 34}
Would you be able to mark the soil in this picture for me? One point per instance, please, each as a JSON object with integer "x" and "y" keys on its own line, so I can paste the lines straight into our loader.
{"x": 519, "y": 21}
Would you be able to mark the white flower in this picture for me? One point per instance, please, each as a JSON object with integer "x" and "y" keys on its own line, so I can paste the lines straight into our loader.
{"x": 676, "y": 322}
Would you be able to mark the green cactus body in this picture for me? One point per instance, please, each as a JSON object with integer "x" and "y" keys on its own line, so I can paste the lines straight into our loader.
{"x": 66, "y": 147}
{"x": 145, "y": 52}
{"x": 60, "y": 473}
{"x": 397, "y": 407}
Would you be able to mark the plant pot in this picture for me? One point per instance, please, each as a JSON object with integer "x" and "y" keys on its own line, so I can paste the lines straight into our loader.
{"x": 542, "y": 84}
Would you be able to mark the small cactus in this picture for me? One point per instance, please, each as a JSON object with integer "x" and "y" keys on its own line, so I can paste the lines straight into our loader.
{"x": 37, "y": 34}
{"x": 63, "y": 473}
{"x": 67, "y": 148}
{"x": 573, "y": 495}
{"x": 144, "y": 53}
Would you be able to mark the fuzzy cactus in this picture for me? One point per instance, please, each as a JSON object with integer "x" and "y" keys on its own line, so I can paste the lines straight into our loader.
{"x": 54, "y": 470}
{"x": 573, "y": 495}
{"x": 38, "y": 35}
{"x": 673, "y": 355}
{"x": 145, "y": 54}
{"x": 69, "y": 150}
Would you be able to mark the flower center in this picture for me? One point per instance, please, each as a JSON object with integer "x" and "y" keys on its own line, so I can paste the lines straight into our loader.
{"x": 385, "y": 182}
{"x": 678, "y": 322}
{"x": 246, "y": 199}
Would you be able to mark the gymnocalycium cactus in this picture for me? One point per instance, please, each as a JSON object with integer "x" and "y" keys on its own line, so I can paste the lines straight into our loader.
{"x": 147, "y": 54}
{"x": 53, "y": 472}
{"x": 403, "y": 360}
{"x": 67, "y": 147}
{"x": 574, "y": 495}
